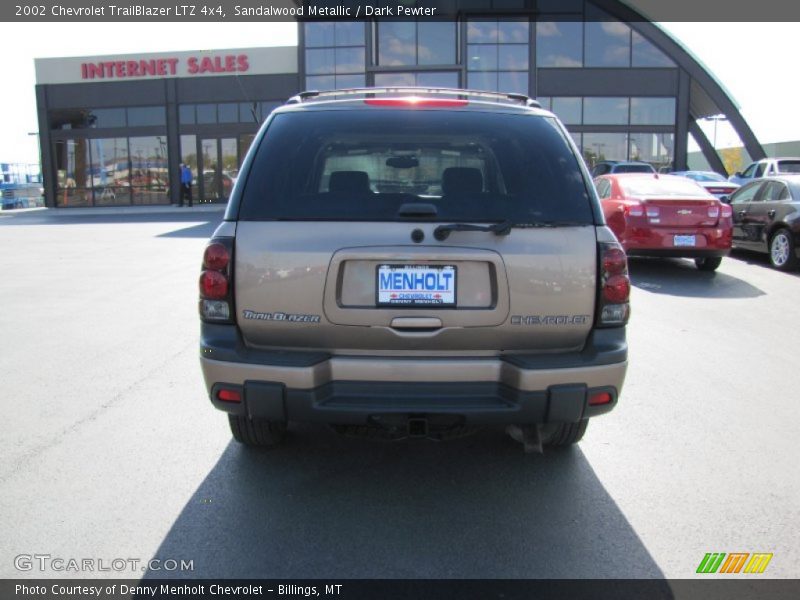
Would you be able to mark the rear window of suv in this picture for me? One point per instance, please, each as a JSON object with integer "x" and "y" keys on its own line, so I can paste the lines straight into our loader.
{"x": 362, "y": 165}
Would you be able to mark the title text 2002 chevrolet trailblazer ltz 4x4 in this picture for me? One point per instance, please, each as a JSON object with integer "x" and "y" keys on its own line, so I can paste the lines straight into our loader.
{"x": 418, "y": 262}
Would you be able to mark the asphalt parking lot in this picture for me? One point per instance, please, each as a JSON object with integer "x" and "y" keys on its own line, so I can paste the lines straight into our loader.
{"x": 111, "y": 449}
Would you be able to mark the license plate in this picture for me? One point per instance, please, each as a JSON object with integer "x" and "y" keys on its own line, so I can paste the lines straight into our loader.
{"x": 684, "y": 240}
{"x": 416, "y": 285}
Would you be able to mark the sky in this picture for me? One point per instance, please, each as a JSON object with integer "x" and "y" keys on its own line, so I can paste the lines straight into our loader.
{"x": 752, "y": 60}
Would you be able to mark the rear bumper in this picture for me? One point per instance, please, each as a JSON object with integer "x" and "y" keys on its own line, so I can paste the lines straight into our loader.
{"x": 317, "y": 387}
{"x": 660, "y": 242}
{"x": 677, "y": 252}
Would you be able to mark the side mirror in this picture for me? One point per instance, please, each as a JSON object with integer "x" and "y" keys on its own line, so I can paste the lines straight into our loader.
{"x": 725, "y": 199}
{"x": 738, "y": 174}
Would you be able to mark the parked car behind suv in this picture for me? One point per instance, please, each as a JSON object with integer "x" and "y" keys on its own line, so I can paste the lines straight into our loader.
{"x": 766, "y": 167}
{"x": 766, "y": 218}
{"x": 414, "y": 264}
{"x": 666, "y": 216}
{"x": 620, "y": 166}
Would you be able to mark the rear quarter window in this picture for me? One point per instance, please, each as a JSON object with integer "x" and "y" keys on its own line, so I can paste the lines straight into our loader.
{"x": 364, "y": 164}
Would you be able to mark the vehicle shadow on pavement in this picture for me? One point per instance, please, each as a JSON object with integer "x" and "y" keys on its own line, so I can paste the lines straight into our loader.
{"x": 677, "y": 277}
{"x": 757, "y": 258}
{"x": 204, "y": 230}
{"x": 326, "y": 506}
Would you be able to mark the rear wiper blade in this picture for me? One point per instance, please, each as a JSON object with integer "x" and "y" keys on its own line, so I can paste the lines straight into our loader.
{"x": 442, "y": 232}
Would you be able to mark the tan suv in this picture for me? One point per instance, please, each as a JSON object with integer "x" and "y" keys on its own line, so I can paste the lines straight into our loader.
{"x": 414, "y": 262}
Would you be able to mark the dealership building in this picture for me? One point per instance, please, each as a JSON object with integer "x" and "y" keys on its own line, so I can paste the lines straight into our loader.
{"x": 115, "y": 129}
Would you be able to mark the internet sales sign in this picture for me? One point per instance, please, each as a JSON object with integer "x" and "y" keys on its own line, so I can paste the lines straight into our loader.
{"x": 165, "y": 67}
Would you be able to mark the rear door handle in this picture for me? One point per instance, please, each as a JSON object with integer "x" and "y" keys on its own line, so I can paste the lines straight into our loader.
{"x": 742, "y": 213}
{"x": 771, "y": 214}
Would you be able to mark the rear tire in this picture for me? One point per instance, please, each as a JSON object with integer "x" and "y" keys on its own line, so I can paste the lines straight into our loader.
{"x": 565, "y": 434}
{"x": 257, "y": 432}
{"x": 781, "y": 251}
{"x": 709, "y": 263}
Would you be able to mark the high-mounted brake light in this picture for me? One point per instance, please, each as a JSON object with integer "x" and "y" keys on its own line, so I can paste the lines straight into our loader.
{"x": 416, "y": 101}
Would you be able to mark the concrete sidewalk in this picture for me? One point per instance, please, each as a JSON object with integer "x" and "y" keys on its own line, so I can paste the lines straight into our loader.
{"x": 115, "y": 210}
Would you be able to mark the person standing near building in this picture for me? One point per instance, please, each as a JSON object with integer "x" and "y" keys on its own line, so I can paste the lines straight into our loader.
{"x": 186, "y": 184}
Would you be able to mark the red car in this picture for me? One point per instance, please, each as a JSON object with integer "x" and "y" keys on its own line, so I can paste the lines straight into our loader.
{"x": 664, "y": 215}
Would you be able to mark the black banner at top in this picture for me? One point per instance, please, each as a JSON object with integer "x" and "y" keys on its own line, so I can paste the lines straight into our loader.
{"x": 196, "y": 11}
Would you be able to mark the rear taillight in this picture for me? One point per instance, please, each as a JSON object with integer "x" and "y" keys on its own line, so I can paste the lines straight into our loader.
{"x": 726, "y": 212}
{"x": 216, "y": 295}
{"x": 653, "y": 212}
{"x": 615, "y": 285}
{"x": 634, "y": 210}
{"x": 713, "y": 212}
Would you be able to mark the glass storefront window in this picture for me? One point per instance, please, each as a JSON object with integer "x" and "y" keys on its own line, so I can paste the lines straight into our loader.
{"x": 604, "y": 146}
{"x": 321, "y": 82}
{"x": 482, "y": 32}
{"x": 246, "y": 110}
{"x": 568, "y": 110}
{"x": 348, "y": 33}
{"x": 318, "y": 34}
{"x": 110, "y": 168}
{"x": 655, "y": 148}
{"x": 645, "y": 54}
{"x": 605, "y": 111}
{"x": 206, "y": 113}
{"x": 349, "y": 60}
{"x": 189, "y": 157}
{"x": 482, "y": 57}
{"x": 149, "y": 171}
{"x": 409, "y": 43}
{"x": 320, "y": 61}
{"x": 335, "y": 55}
{"x": 397, "y": 43}
{"x": 72, "y": 173}
{"x": 483, "y": 80}
{"x": 147, "y": 116}
{"x": 436, "y": 43}
{"x": 514, "y": 81}
{"x": 652, "y": 111}
{"x": 186, "y": 114}
{"x": 228, "y": 112}
{"x": 107, "y": 117}
{"x": 512, "y": 57}
{"x": 608, "y": 41}
{"x": 447, "y": 79}
{"x": 513, "y": 32}
{"x": 559, "y": 44}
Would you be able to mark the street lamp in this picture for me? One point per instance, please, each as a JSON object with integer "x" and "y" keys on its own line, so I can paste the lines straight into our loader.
{"x": 716, "y": 119}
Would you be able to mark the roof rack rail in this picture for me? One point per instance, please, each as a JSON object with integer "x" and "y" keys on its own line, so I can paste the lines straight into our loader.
{"x": 411, "y": 90}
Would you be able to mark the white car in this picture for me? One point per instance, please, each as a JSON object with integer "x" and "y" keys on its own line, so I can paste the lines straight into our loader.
{"x": 766, "y": 167}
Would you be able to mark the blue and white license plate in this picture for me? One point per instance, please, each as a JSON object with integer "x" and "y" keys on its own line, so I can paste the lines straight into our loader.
{"x": 684, "y": 240}
{"x": 416, "y": 285}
